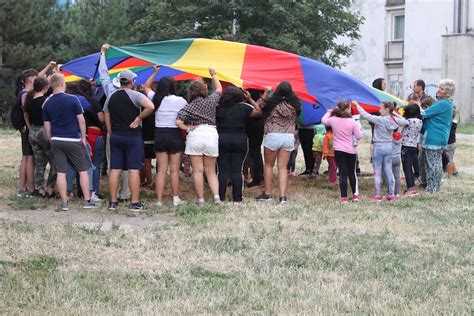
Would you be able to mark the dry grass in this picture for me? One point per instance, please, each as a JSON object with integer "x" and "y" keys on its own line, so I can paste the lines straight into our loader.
{"x": 311, "y": 256}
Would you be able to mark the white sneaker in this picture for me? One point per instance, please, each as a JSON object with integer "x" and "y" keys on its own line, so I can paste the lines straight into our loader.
{"x": 177, "y": 202}
{"x": 95, "y": 198}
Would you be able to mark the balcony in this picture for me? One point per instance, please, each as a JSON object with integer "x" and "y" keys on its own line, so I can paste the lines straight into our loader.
{"x": 394, "y": 52}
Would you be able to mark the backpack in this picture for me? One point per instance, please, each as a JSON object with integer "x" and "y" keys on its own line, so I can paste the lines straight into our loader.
{"x": 16, "y": 113}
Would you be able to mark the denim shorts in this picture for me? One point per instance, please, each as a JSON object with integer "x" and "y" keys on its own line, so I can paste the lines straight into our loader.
{"x": 276, "y": 141}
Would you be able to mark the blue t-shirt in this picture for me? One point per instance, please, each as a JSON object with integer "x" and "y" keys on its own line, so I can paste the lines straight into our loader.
{"x": 61, "y": 110}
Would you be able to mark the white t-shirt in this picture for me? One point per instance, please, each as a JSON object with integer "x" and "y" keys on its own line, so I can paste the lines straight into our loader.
{"x": 168, "y": 111}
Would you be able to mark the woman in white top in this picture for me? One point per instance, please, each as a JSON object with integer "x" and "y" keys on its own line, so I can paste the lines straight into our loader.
{"x": 169, "y": 143}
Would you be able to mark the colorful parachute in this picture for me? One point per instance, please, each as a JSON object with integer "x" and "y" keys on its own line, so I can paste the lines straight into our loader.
{"x": 249, "y": 66}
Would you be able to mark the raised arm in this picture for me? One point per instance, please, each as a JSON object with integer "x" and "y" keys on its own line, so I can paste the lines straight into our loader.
{"x": 107, "y": 84}
{"x": 367, "y": 116}
{"x": 44, "y": 71}
{"x": 325, "y": 119}
{"x": 215, "y": 81}
{"x": 257, "y": 111}
{"x": 149, "y": 82}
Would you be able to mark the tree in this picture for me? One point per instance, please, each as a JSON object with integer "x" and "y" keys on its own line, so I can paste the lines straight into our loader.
{"x": 305, "y": 28}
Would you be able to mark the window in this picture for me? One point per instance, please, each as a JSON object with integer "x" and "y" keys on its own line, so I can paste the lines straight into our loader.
{"x": 398, "y": 27}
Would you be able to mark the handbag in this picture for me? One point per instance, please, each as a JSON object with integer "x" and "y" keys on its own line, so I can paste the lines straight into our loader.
{"x": 396, "y": 134}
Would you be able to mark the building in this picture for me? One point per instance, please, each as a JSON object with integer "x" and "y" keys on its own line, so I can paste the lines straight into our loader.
{"x": 405, "y": 40}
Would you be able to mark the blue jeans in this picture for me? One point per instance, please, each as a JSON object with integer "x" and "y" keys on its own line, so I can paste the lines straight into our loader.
{"x": 71, "y": 174}
{"x": 382, "y": 160}
{"x": 97, "y": 162}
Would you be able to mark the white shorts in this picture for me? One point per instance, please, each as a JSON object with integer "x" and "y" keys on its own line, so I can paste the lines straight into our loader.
{"x": 203, "y": 140}
{"x": 276, "y": 141}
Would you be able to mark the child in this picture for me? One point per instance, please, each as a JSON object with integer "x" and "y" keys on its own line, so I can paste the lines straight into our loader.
{"x": 449, "y": 150}
{"x": 409, "y": 151}
{"x": 328, "y": 154}
{"x": 292, "y": 162}
{"x": 384, "y": 126}
{"x": 319, "y": 131}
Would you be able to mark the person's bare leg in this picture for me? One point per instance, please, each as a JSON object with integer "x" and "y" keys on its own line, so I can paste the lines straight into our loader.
{"x": 162, "y": 161}
{"x": 134, "y": 184}
{"x": 22, "y": 171}
{"x": 269, "y": 158}
{"x": 147, "y": 172}
{"x": 198, "y": 175}
{"x": 84, "y": 181}
{"x": 210, "y": 171}
{"x": 62, "y": 186}
{"x": 174, "y": 163}
{"x": 283, "y": 158}
{"x": 30, "y": 172}
{"x": 114, "y": 177}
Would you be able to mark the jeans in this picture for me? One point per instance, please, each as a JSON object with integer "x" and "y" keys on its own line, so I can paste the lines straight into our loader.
{"x": 410, "y": 164}
{"x": 383, "y": 161}
{"x": 97, "y": 162}
{"x": 346, "y": 164}
{"x": 396, "y": 164}
{"x": 71, "y": 174}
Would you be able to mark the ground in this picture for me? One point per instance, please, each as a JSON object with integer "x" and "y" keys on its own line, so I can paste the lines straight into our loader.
{"x": 313, "y": 255}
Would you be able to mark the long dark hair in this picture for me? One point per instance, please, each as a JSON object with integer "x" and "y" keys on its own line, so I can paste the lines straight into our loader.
{"x": 340, "y": 109}
{"x": 283, "y": 92}
{"x": 377, "y": 84}
{"x": 166, "y": 86}
{"x": 38, "y": 85}
{"x": 231, "y": 96}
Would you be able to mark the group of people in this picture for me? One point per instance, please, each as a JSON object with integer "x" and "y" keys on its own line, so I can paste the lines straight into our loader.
{"x": 71, "y": 126}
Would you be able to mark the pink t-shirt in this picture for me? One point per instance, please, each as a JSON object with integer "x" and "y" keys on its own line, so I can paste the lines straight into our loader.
{"x": 343, "y": 130}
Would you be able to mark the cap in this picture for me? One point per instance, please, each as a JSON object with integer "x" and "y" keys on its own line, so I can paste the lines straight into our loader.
{"x": 124, "y": 76}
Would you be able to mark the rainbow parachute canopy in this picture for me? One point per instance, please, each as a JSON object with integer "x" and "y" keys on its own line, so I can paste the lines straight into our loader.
{"x": 249, "y": 66}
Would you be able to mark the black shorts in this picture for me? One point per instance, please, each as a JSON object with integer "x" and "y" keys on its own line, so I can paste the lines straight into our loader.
{"x": 26, "y": 149}
{"x": 150, "y": 151}
{"x": 74, "y": 152}
{"x": 126, "y": 152}
{"x": 168, "y": 140}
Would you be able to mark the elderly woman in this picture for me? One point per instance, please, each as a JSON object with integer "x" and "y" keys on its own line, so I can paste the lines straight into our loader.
{"x": 436, "y": 125}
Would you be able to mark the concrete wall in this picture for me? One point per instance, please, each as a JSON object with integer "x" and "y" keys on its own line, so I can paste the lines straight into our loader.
{"x": 458, "y": 64}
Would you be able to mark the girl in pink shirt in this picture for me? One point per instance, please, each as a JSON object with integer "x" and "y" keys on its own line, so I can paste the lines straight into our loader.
{"x": 344, "y": 129}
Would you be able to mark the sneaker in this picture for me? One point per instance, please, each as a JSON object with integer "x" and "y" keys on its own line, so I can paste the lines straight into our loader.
{"x": 344, "y": 200}
{"x": 391, "y": 197}
{"x": 217, "y": 200}
{"x": 264, "y": 198}
{"x": 136, "y": 207}
{"x": 90, "y": 204}
{"x": 158, "y": 205}
{"x": 315, "y": 174}
{"x": 356, "y": 198}
{"x": 283, "y": 200}
{"x": 377, "y": 198}
{"x": 178, "y": 202}
{"x": 20, "y": 192}
{"x": 64, "y": 206}
{"x": 95, "y": 197}
{"x": 113, "y": 206}
{"x": 200, "y": 203}
{"x": 413, "y": 193}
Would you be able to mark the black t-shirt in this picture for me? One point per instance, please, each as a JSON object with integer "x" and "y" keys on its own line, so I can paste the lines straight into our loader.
{"x": 452, "y": 133}
{"x": 35, "y": 111}
{"x": 148, "y": 128}
{"x": 91, "y": 113}
{"x": 233, "y": 118}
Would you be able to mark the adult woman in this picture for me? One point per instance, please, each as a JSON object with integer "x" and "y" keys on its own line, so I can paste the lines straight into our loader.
{"x": 280, "y": 111}
{"x": 437, "y": 125}
{"x": 37, "y": 137}
{"x": 169, "y": 143}
{"x": 345, "y": 129}
{"x": 379, "y": 84}
{"x": 198, "y": 118}
{"x": 231, "y": 116}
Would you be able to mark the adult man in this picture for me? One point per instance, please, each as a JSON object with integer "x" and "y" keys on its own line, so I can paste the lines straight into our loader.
{"x": 66, "y": 130}
{"x": 419, "y": 89}
{"x": 123, "y": 120}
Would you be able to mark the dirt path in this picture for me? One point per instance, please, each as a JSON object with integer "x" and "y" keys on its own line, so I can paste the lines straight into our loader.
{"x": 91, "y": 219}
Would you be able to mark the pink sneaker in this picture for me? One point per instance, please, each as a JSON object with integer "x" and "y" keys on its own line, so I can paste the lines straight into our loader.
{"x": 413, "y": 193}
{"x": 356, "y": 198}
{"x": 391, "y": 198}
{"x": 344, "y": 200}
{"x": 377, "y": 198}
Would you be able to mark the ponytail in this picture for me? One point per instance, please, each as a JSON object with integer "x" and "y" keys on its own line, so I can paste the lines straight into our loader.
{"x": 341, "y": 109}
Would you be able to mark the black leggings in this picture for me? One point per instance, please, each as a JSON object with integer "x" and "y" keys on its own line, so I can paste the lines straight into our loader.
{"x": 346, "y": 164}
{"x": 232, "y": 151}
{"x": 306, "y": 139}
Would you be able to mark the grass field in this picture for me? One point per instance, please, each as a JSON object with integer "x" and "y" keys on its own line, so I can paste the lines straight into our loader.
{"x": 466, "y": 128}
{"x": 311, "y": 256}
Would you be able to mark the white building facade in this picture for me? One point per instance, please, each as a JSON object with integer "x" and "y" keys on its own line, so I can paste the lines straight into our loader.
{"x": 405, "y": 40}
